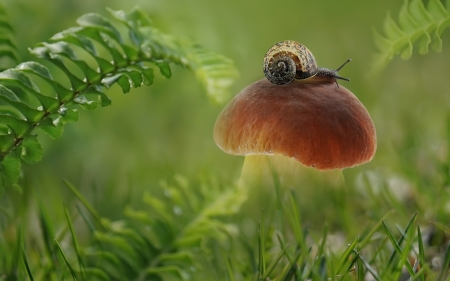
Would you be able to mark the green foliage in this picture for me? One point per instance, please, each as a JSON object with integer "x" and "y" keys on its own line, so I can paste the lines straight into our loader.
{"x": 196, "y": 230}
{"x": 283, "y": 248}
{"x": 368, "y": 257}
{"x": 9, "y": 55}
{"x": 417, "y": 25}
{"x": 168, "y": 238}
{"x": 115, "y": 59}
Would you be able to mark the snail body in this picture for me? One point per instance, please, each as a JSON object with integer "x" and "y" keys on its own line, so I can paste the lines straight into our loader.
{"x": 287, "y": 61}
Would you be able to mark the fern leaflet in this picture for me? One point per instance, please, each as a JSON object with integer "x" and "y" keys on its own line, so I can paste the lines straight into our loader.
{"x": 417, "y": 25}
{"x": 9, "y": 56}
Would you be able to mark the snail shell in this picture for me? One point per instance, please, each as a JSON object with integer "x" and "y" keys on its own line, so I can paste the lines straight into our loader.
{"x": 289, "y": 60}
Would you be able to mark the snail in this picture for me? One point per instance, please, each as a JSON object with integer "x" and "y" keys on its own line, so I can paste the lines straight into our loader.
{"x": 289, "y": 60}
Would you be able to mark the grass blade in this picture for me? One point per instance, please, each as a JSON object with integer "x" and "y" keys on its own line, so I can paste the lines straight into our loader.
{"x": 75, "y": 243}
{"x": 48, "y": 233}
{"x": 399, "y": 243}
{"x": 421, "y": 252}
{"x": 27, "y": 267}
{"x": 292, "y": 269}
{"x": 373, "y": 230}
{"x": 228, "y": 264}
{"x": 84, "y": 201}
{"x": 369, "y": 268}
{"x": 397, "y": 248}
{"x": 323, "y": 242}
{"x": 360, "y": 269}
{"x": 445, "y": 264}
{"x": 292, "y": 212}
{"x": 274, "y": 264}
{"x": 344, "y": 258}
{"x": 262, "y": 261}
{"x": 72, "y": 272}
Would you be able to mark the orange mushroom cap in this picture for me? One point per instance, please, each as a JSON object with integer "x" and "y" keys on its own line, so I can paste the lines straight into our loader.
{"x": 321, "y": 125}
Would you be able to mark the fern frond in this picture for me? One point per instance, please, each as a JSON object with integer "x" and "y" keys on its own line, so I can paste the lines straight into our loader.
{"x": 417, "y": 26}
{"x": 122, "y": 60}
{"x": 9, "y": 56}
{"x": 163, "y": 240}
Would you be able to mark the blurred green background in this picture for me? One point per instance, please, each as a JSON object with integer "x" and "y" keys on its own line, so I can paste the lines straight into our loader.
{"x": 112, "y": 154}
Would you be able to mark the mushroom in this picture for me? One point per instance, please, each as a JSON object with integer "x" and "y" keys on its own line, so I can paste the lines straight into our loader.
{"x": 296, "y": 129}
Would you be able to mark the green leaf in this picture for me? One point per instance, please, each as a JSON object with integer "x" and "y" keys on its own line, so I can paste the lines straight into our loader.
{"x": 9, "y": 54}
{"x": 31, "y": 149}
{"x": 85, "y": 103}
{"x": 68, "y": 115}
{"x": 104, "y": 100}
{"x": 19, "y": 127}
{"x": 49, "y": 104}
{"x": 131, "y": 53}
{"x": 6, "y": 142}
{"x": 32, "y": 115}
{"x": 86, "y": 44}
{"x": 63, "y": 93}
{"x": 420, "y": 13}
{"x": 17, "y": 78}
{"x": 134, "y": 19}
{"x": 93, "y": 33}
{"x": 135, "y": 77}
{"x": 120, "y": 79}
{"x": 70, "y": 36}
{"x": 9, "y": 171}
{"x": 148, "y": 75}
{"x": 418, "y": 25}
{"x": 442, "y": 18}
{"x": 36, "y": 68}
{"x": 100, "y": 23}
{"x": 44, "y": 53}
{"x": 7, "y": 93}
{"x": 164, "y": 68}
{"x": 65, "y": 50}
{"x": 53, "y": 128}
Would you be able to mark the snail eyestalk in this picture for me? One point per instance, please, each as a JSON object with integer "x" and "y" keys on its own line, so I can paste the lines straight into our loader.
{"x": 327, "y": 73}
{"x": 339, "y": 68}
{"x": 332, "y": 74}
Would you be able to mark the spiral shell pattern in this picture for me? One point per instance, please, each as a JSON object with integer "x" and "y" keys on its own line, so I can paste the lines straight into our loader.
{"x": 288, "y": 60}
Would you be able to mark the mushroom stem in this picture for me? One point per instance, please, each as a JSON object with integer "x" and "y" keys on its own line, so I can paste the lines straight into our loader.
{"x": 270, "y": 170}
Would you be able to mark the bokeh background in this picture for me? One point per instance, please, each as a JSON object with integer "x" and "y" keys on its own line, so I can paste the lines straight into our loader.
{"x": 113, "y": 154}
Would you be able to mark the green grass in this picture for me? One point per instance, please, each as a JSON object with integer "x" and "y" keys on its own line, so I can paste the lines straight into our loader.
{"x": 199, "y": 230}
